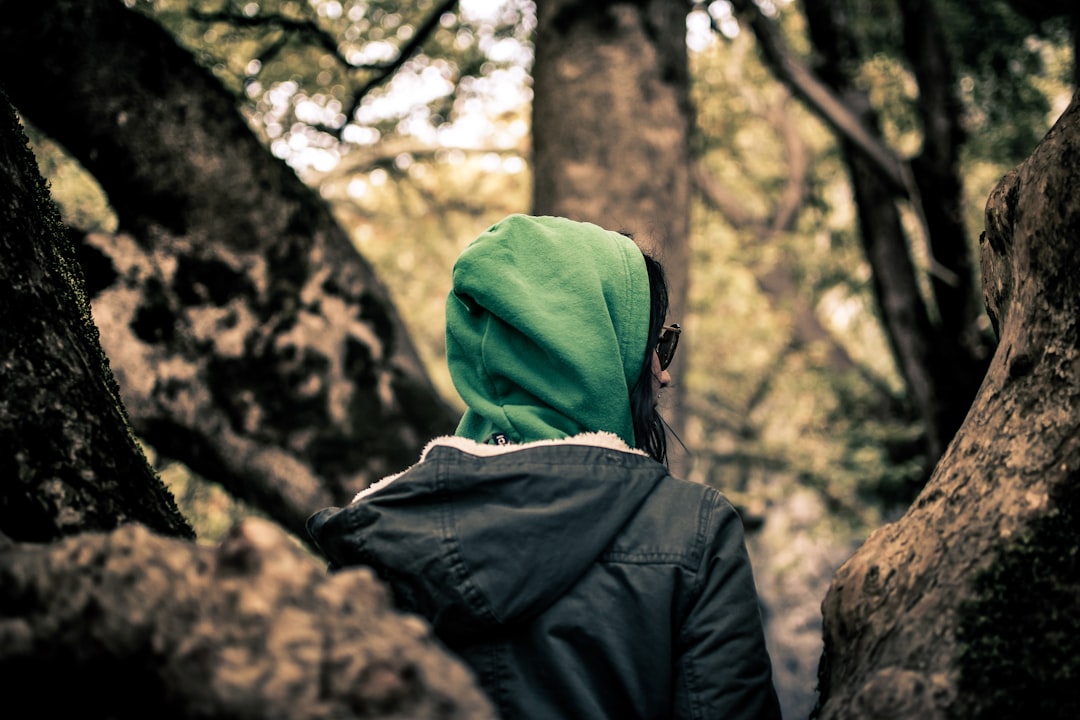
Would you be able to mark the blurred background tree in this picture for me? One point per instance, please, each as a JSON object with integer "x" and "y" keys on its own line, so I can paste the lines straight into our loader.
{"x": 833, "y": 323}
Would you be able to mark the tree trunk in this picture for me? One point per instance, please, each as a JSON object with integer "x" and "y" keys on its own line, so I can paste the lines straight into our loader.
{"x": 68, "y": 460}
{"x": 966, "y": 606}
{"x": 964, "y": 348}
{"x": 249, "y": 339}
{"x": 937, "y": 174}
{"x": 936, "y": 358}
{"x": 611, "y": 123}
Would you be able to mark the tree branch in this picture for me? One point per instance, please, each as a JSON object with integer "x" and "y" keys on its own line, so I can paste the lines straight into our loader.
{"x": 423, "y": 31}
{"x": 308, "y": 29}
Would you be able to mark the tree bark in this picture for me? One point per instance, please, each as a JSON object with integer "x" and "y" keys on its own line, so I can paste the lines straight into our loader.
{"x": 610, "y": 127}
{"x": 68, "y": 460}
{"x": 133, "y": 625}
{"x": 966, "y": 606}
{"x": 249, "y": 338}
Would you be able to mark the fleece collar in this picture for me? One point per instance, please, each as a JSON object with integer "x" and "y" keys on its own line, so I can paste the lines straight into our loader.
{"x": 605, "y": 440}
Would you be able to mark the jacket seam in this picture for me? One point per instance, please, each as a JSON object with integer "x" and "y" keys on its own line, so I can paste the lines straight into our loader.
{"x": 459, "y": 570}
{"x": 659, "y": 558}
{"x": 693, "y": 680}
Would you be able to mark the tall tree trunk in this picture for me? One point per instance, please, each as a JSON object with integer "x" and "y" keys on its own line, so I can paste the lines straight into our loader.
{"x": 68, "y": 460}
{"x": 611, "y": 123}
{"x": 965, "y": 347}
{"x": 966, "y": 606}
{"x": 249, "y": 338}
{"x": 936, "y": 360}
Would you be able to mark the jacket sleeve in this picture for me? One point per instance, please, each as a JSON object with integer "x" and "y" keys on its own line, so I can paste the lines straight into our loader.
{"x": 722, "y": 667}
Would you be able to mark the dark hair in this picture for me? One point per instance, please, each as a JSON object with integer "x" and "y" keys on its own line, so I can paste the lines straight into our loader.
{"x": 649, "y": 428}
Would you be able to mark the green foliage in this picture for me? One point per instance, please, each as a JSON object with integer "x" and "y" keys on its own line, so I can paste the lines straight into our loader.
{"x": 209, "y": 507}
{"x": 412, "y": 218}
{"x": 1006, "y": 63}
{"x": 766, "y": 409}
{"x": 894, "y": 91}
{"x": 1009, "y": 66}
{"x": 1020, "y": 635}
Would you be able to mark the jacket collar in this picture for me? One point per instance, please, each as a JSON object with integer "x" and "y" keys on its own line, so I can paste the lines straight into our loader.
{"x": 600, "y": 439}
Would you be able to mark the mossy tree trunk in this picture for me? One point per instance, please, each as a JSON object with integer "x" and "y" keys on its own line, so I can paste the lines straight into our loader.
{"x": 68, "y": 459}
{"x": 967, "y": 607}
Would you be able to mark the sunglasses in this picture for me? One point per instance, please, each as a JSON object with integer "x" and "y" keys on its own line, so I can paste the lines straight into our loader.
{"x": 665, "y": 346}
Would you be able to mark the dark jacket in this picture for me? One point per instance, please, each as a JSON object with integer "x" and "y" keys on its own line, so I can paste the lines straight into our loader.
{"x": 577, "y": 577}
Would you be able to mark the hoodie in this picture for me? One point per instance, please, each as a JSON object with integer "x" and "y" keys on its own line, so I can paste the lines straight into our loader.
{"x": 546, "y": 330}
{"x": 571, "y": 571}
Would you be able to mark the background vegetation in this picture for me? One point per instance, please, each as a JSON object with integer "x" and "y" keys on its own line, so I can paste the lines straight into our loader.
{"x": 816, "y": 451}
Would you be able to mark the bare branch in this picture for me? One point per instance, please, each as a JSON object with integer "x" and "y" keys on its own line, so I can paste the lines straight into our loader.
{"x": 423, "y": 32}
{"x": 310, "y": 30}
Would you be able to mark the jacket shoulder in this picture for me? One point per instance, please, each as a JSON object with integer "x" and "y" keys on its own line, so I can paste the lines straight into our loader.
{"x": 676, "y": 524}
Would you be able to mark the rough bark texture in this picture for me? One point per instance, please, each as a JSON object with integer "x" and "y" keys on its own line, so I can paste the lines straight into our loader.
{"x": 134, "y": 625}
{"x": 68, "y": 460}
{"x": 248, "y": 337}
{"x": 966, "y": 607}
{"x": 611, "y": 123}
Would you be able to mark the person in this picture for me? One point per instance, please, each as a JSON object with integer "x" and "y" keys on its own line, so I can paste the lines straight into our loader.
{"x": 546, "y": 542}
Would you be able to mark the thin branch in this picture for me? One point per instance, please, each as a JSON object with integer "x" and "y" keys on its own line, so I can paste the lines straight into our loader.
{"x": 308, "y": 29}
{"x": 791, "y": 199}
{"x": 423, "y": 32}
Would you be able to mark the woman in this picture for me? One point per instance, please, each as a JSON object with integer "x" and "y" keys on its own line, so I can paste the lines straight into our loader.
{"x": 546, "y": 541}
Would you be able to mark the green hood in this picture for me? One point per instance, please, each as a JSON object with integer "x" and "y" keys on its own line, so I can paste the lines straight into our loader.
{"x": 546, "y": 329}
